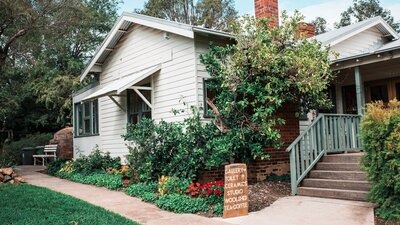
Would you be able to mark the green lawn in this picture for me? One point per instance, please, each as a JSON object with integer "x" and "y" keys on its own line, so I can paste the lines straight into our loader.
{"x": 27, "y": 204}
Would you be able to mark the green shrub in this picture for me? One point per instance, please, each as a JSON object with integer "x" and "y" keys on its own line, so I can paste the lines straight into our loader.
{"x": 144, "y": 191}
{"x": 96, "y": 161}
{"x": 182, "y": 204}
{"x": 178, "y": 149}
{"x": 10, "y": 155}
{"x": 219, "y": 208}
{"x": 54, "y": 166}
{"x": 169, "y": 185}
{"x": 380, "y": 134}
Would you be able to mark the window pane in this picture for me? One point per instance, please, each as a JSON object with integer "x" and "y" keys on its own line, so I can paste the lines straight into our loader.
{"x": 349, "y": 99}
{"x": 398, "y": 91}
{"x": 87, "y": 109}
{"x": 80, "y": 119}
{"x": 95, "y": 117}
{"x": 379, "y": 93}
{"x": 134, "y": 118}
{"x": 87, "y": 129}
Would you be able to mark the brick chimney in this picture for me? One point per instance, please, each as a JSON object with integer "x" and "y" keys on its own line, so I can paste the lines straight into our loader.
{"x": 307, "y": 29}
{"x": 267, "y": 9}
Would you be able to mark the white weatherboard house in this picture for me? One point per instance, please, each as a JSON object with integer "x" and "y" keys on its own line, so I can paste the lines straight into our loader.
{"x": 146, "y": 67}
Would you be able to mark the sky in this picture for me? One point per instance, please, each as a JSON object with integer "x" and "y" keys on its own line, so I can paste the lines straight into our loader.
{"x": 328, "y": 9}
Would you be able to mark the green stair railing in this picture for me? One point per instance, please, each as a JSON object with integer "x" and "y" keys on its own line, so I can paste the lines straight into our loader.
{"x": 328, "y": 133}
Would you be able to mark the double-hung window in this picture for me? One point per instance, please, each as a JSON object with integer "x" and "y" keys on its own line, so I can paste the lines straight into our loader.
{"x": 86, "y": 118}
{"x": 137, "y": 108}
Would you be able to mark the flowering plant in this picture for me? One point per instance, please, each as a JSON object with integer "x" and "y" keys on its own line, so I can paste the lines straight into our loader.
{"x": 212, "y": 188}
{"x": 171, "y": 185}
{"x": 193, "y": 189}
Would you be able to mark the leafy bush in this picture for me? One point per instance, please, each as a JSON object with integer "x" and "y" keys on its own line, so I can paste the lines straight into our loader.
{"x": 11, "y": 153}
{"x": 96, "y": 161}
{"x": 178, "y": 149}
{"x": 182, "y": 204}
{"x": 144, "y": 191}
{"x": 169, "y": 185}
{"x": 54, "y": 166}
{"x": 380, "y": 134}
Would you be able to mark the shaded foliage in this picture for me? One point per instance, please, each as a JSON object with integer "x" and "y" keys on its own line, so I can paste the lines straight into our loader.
{"x": 365, "y": 9}
{"x": 319, "y": 25}
{"x": 254, "y": 79}
{"x": 380, "y": 135}
{"x": 44, "y": 45}
{"x": 215, "y": 14}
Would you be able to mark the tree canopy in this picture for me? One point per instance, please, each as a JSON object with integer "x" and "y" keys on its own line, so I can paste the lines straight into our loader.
{"x": 365, "y": 9}
{"x": 319, "y": 25}
{"x": 256, "y": 77}
{"x": 215, "y": 14}
{"x": 43, "y": 48}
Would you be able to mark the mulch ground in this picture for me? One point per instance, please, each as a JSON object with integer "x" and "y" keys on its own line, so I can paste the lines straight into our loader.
{"x": 263, "y": 194}
{"x": 379, "y": 221}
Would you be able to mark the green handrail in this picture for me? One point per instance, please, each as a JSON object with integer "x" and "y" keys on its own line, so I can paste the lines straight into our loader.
{"x": 328, "y": 133}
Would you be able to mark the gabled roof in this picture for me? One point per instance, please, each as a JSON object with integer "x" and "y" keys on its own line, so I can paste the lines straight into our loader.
{"x": 126, "y": 20}
{"x": 336, "y": 36}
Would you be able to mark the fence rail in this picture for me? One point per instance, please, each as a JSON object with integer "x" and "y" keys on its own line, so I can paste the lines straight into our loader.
{"x": 328, "y": 133}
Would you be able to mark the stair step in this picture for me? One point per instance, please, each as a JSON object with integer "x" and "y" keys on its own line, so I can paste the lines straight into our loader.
{"x": 338, "y": 166}
{"x": 338, "y": 175}
{"x": 337, "y": 184}
{"x": 343, "y": 158}
{"x": 333, "y": 193}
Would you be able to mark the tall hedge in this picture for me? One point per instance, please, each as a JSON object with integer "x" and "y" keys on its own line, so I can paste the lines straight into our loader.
{"x": 380, "y": 133}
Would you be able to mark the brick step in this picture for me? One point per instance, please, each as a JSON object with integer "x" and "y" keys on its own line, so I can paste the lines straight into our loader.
{"x": 343, "y": 158}
{"x": 338, "y": 166}
{"x": 338, "y": 184}
{"x": 333, "y": 193}
{"x": 338, "y": 175}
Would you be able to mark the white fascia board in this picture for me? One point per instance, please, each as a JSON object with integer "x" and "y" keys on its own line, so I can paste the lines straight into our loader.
{"x": 102, "y": 48}
{"x": 380, "y": 21}
{"x": 171, "y": 29}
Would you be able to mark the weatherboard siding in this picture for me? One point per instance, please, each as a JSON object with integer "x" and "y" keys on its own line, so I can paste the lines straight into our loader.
{"x": 142, "y": 47}
{"x": 202, "y": 44}
{"x": 364, "y": 42}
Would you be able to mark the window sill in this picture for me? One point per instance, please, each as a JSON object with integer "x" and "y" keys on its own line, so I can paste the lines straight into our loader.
{"x": 86, "y": 135}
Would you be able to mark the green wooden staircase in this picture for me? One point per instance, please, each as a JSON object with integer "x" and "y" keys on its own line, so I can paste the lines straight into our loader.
{"x": 319, "y": 159}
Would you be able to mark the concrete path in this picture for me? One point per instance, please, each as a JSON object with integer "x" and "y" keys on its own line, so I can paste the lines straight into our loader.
{"x": 286, "y": 211}
{"x": 115, "y": 201}
{"x": 301, "y": 210}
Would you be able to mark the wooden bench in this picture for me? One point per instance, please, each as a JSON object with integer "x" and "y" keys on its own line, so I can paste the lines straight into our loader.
{"x": 50, "y": 152}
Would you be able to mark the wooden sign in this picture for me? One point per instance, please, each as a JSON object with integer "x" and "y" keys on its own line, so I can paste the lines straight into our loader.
{"x": 236, "y": 200}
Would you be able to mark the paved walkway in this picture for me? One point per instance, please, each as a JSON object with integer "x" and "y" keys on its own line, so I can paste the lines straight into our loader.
{"x": 286, "y": 211}
{"x": 115, "y": 201}
{"x": 301, "y": 210}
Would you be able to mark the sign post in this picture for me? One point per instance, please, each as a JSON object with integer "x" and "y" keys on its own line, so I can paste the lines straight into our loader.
{"x": 236, "y": 202}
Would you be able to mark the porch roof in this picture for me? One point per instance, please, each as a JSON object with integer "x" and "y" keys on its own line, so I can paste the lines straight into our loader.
{"x": 120, "y": 85}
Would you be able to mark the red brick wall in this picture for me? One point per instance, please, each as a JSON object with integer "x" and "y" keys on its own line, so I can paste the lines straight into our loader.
{"x": 307, "y": 29}
{"x": 279, "y": 158}
{"x": 267, "y": 9}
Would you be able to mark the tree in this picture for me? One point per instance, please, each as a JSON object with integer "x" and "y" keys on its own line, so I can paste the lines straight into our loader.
{"x": 264, "y": 70}
{"x": 43, "y": 47}
{"x": 215, "y": 14}
{"x": 319, "y": 25}
{"x": 365, "y": 9}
